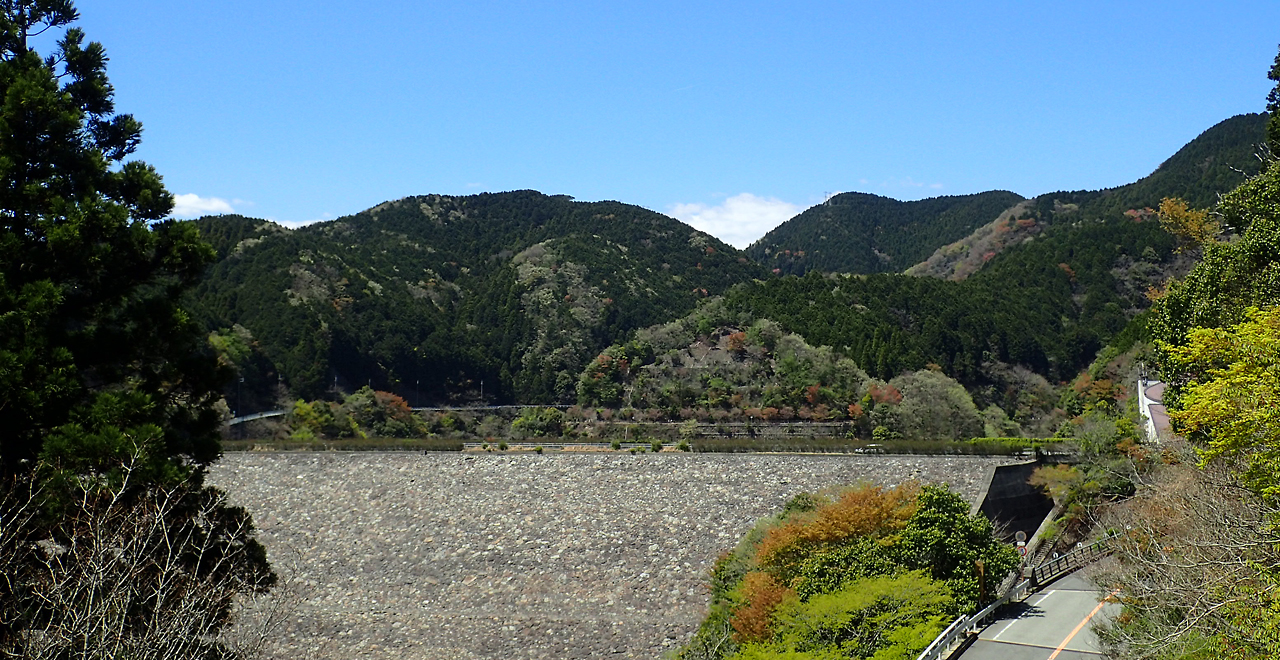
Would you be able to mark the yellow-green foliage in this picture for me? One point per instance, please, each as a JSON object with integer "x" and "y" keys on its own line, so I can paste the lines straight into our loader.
{"x": 879, "y": 617}
{"x": 1057, "y": 480}
{"x": 869, "y": 572}
{"x": 1193, "y": 226}
{"x": 1233, "y": 405}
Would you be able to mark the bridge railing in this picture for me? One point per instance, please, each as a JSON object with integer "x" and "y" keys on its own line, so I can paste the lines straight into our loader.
{"x": 262, "y": 415}
{"x": 943, "y": 643}
{"x": 1017, "y": 590}
{"x": 1072, "y": 560}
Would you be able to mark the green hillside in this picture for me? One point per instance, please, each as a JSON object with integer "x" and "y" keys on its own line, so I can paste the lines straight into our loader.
{"x": 1036, "y": 316}
{"x": 1215, "y": 162}
{"x": 863, "y": 233}
{"x": 430, "y": 296}
{"x": 509, "y": 296}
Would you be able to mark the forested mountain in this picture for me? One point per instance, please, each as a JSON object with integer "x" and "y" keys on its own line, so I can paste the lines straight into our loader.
{"x": 510, "y": 296}
{"x": 431, "y": 296}
{"x": 953, "y": 237}
{"x": 722, "y": 365}
{"x": 1215, "y": 162}
{"x": 1036, "y": 316}
{"x": 864, "y": 233}
{"x": 1046, "y": 306}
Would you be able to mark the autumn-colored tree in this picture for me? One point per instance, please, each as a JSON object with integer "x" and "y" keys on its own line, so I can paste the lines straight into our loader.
{"x": 868, "y": 510}
{"x": 1193, "y": 227}
{"x": 884, "y": 393}
{"x": 761, "y": 594}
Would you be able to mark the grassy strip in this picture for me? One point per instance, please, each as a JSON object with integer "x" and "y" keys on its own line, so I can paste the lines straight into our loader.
{"x": 974, "y": 447}
{"x": 346, "y": 444}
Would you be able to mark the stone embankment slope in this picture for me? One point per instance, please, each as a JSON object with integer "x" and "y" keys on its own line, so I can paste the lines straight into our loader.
{"x": 401, "y": 555}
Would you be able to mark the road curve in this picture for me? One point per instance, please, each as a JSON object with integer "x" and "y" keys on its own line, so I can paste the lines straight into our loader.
{"x": 1054, "y": 624}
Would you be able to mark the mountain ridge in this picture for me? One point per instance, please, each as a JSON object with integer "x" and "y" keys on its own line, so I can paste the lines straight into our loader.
{"x": 501, "y": 297}
{"x": 466, "y": 289}
{"x": 871, "y": 233}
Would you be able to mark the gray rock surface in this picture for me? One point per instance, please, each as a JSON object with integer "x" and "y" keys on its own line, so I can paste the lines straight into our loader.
{"x": 574, "y": 555}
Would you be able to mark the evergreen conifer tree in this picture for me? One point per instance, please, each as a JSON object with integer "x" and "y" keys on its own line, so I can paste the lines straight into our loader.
{"x": 107, "y": 388}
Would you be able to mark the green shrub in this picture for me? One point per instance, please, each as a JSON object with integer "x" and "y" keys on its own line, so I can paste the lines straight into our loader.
{"x": 683, "y": 446}
{"x": 615, "y": 445}
{"x": 538, "y": 423}
{"x": 502, "y": 446}
{"x": 656, "y": 446}
{"x": 538, "y": 449}
{"x": 886, "y": 616}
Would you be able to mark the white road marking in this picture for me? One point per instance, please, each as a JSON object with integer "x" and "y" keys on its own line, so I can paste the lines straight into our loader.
{"x": 1010, "y": 622}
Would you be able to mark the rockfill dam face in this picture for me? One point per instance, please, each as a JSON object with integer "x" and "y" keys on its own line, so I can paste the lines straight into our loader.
{"x": 442, "y": 556}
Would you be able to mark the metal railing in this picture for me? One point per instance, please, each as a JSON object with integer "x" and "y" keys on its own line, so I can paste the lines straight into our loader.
{"x": 261, "y": 415}
{"x": 1071, "y": 560}
{"x": 943, "y": 643}
{"x": 1041, "y": 575}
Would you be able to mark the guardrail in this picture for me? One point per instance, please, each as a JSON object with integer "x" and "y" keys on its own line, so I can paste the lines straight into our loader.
{"x": 1070, "y": 561}
{"x": 261, "y": 415}
{"x": 1041, "y": 575}
{"x": 943, "y": 643}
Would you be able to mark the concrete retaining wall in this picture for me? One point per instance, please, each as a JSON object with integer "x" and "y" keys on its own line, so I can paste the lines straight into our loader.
{"x": 1012, "y": 503}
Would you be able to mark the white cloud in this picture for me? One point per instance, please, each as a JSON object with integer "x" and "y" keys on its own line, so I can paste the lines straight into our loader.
{"x": 193, "y": 206}
{"x": 294, "y": 224}
{"x": 738, "y": 221}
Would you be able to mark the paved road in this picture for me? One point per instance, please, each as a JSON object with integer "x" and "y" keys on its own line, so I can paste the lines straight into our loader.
{"x": 1053, "y": 624}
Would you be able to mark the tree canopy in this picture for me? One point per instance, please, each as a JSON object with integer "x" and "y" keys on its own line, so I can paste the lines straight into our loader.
{"x": 108, "y": 390}
{"x": 94, "y": 348}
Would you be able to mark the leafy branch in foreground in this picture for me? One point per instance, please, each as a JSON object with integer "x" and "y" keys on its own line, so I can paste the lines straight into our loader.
{"x": 1233, "y": 406}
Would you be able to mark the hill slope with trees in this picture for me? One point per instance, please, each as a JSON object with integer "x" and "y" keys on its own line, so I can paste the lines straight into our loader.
{"x": 432, "y": 296}
{"x": 863, "y": 233}
{"x": 1215, "y": 162}
{"x": 508, "y": 297}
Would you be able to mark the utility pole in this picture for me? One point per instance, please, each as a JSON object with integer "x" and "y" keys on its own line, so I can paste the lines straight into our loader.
{"x": 239, "y": 409}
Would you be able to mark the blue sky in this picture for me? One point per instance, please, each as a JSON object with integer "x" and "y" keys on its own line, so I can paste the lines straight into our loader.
{"x": 733, "y": 116}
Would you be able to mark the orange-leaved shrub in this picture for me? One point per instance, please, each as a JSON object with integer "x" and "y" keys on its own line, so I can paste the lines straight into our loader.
{"x": 863, "y": 511}
{"x": 761, "y": 594}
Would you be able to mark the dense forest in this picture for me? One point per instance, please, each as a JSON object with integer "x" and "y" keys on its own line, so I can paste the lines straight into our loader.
{"x": 433, "y": 296}
{"x": 863, "y": 233}
{"x": 508, "y": 297}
